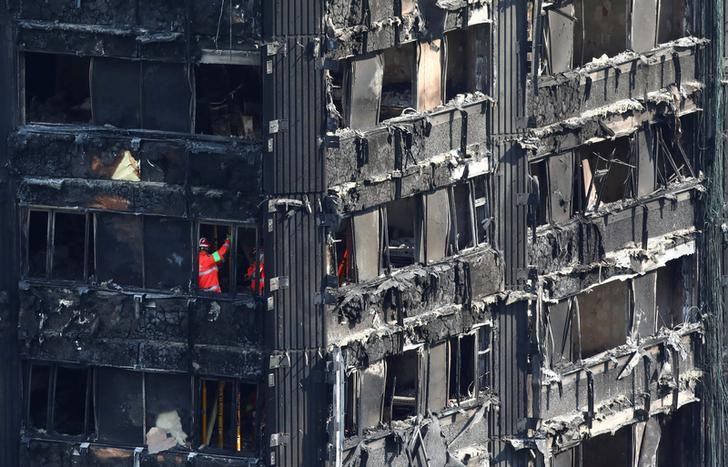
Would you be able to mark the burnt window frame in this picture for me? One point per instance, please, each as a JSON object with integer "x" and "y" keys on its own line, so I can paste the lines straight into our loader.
{"x": 89, "y": 415}
{"x": 196, "y": 437}
{"x": 389, "y": 394}
{"x": 25, "y": 214}
{"x": 210, "y": 58}
{"x": 455, "y": 356}
{"x": 231, "y": 256}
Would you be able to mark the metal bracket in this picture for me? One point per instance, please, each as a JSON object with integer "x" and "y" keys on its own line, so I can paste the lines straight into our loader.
{"x": 275, "y": 126}
{"x": 279, "y": 361}
{"x": 279, "y": 439}
{"x": 274, "y": 48}
{"x": 280, "y": 282}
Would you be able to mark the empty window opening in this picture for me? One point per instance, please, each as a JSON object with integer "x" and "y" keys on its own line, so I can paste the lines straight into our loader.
{"x": 398, "y": 82}
{"x": 69, "y": 245}
{"x": 167, "y": 261}
{"x": 37, "y": 254}
{"x": 57, "y": 88}
{"x": 402, "y": 386}
{"x": 168, "y": 406}
{"x": 484, "y": 345}
{"x": 603, "y": 315}
{"x": 214, "y": 264}
{"x": 119, "y": 249}
{"x": 59, "y": 399}
{"x": 229, "y": 100}
{"x": 483, "y": 208}
{"x": 335, "y": 99}
{"x": 673, "y": 162}
{"x": 72, "y": 391}
{"x": 249, "y": 260}
{"x": 228, "y": 415}
{"x": 467, "y": 67}
{"x": 607, "y": 173}
{"x": 672, "y": 18}
{"x": 119, "y": 403}
{"x": 462, "y": 368}
{"x": 38, "y": 393}
{"x": 538, "y": 210}
{"x": 351, "y": 411}
{"x": 601, "y": 29}
{"x": 672, "y": 292}
{"x": 464, "y": 216}
{"x": 141, "y": 94}
{"x": 561, "y": 321}
{"x": 342, "y": 253}
{"x": 608, "y": 450}
{"x": 403, "y": 232}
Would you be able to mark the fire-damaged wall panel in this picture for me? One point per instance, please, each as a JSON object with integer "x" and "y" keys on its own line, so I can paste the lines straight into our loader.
{"x": 510, "y": 367}
{"x": 292, "y": 112}
{"x": 292, "y": 18}
{"x": 509, "y": 68}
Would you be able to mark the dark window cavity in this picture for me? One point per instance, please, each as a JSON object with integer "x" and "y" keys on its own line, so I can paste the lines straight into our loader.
{"x": 56, "y": 88}
{"x": 227, "y": 414}
{"x": 401, "y": 392}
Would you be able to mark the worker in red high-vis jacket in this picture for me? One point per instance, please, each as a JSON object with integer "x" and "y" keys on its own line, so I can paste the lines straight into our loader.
{"x": 207, "y": 277}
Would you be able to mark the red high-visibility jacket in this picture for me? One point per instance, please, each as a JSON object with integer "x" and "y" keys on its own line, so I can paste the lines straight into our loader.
{"x": 207, "y": 278}
{"x": 250, "y": 273}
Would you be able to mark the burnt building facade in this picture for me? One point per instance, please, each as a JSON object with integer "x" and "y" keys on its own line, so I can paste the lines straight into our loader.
{"x": 481, "y": 232}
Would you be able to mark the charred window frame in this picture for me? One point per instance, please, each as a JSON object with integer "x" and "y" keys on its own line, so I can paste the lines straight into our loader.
{"x": 551, "y": 189}
{"x": 402, "y": 396}
{"x": 472, "y": 46}
{"x": 58, "y": 244}
{"x": 241, "y": 271}
{"x": 58, "y": 400}
{"x": 464, "y": 368}
{"x": 607, "y": 173}
{"x": 403, "y": 232}
{"x": 227, "y": 410}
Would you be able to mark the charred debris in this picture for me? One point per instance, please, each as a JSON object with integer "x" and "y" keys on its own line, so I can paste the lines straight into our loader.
{"x": 463, "y": 232}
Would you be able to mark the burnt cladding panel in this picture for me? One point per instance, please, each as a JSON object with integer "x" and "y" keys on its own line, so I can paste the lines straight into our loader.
{"x": 293, "y": 95}
{"x": 295, "y": 251}
{"x": 297, "y": 407}
{"x": 510, "y": 198}
{"x": 292, "y": 18}
{"x": 510, "y": 67}
{"x": 509, "y": 356}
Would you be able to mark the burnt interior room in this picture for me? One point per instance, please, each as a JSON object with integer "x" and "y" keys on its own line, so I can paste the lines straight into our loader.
{"x": 603, "y": 313}
{"x": 608, "y": 450}
{"x": 227, "y": 415}
{"x": 402, "y": 386}
{"x": 404, "y": 218}
{"x": 462, "y": 368}
{"x": 228, "y": 100}
{"x": 467, "y": 61}
{"x": 399, "y": 81}
{"x": 341, "y": 253}
{"x": 607, "y": 173}
{"x": 56, "y": 88}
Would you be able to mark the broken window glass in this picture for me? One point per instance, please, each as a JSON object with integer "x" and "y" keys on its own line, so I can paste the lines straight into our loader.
{"x": 462, "y": 368}
{"x": 56, "y": 88}
{"x": 167, "y": 261}
{"x": 603, "y": 317}
{"x": 229, "y": 100}
{"x": 119, "y": 406}
{"x": 228, "y": 418}
{"x": 643, "y": 25}
{"x": 644, "y": 319}
{"x": 404, "y": 229}
{"x": 398, "y": 82}
{"x": 69, "y": 241}
{"x": 37, "y": 235}
{"x": 467, "y": 65}
{"x": 372, "y": 390}
{"x": 401, "y": 390}
{"x": 464, "y": 216}
{"x": 119, "y": 249}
